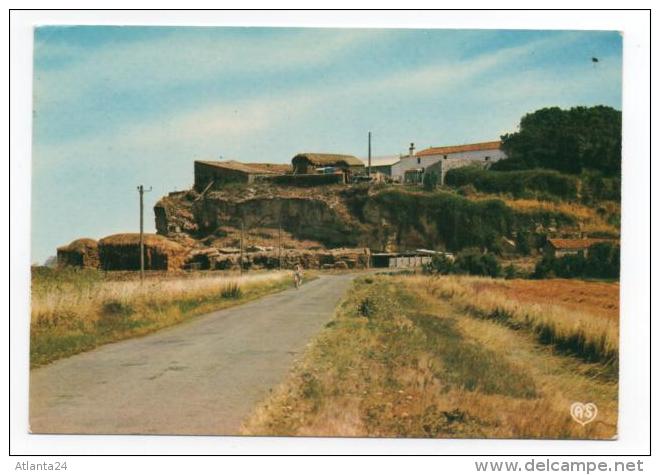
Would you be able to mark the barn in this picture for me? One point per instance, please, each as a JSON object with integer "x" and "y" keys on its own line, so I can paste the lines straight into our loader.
{"x": 82, "y": 252}
{"x": 564, "y": 247}
{"x": 215, "y": 174}
{"x": 122, "y": 252}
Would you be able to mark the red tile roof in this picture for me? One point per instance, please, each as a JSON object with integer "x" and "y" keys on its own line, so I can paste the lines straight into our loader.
{"x": 575, "y": 243}
{"x": 472, "y": 147}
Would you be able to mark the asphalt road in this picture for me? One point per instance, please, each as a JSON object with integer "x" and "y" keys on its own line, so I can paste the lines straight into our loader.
{"x": 201, "y": 377}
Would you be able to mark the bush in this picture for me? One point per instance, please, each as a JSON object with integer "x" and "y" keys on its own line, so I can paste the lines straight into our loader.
{"x": 231, "y": 291}
{"x": 473, "y": 262}
{"x": 440, "y": 264}
{"x": 522, "y": 243}
{"x": 602, "y": 262}
{"x": 430, "y": 181}
{"x": 510, "y": 272}
{"x": 523, "y": 183}
{"x": 116, "y": 308}
{"x": 467, "y": 190}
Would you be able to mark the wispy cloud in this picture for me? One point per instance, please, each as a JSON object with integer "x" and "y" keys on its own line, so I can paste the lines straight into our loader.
{"x": 113, "y": 114}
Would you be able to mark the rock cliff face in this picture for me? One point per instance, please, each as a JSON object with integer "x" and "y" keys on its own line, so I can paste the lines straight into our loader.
{"x": 320, "y": 217}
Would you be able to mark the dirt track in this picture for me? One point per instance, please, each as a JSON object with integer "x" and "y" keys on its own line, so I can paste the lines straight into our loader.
{"x": 200, "y": 377}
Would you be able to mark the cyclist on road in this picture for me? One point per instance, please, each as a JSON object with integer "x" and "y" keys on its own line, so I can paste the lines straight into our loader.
{"x": 298, "y": 275}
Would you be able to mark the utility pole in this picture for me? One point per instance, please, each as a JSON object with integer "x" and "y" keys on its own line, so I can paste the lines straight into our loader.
{"x": 242, "y": 234}
{"x": 279, "y": 242}
{"x": 141, "y": 190}
{"x": 369, "y": 159}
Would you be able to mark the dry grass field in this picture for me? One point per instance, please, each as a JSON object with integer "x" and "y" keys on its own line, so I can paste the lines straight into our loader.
{"x": 418, "y": 356}
{"x": 592, "y": 219}
{"x": 600, "y": 299}
{"x": 77, "y": 310}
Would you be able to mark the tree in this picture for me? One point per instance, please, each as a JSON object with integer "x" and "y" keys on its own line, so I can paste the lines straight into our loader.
{"x": 522, "y": 242}
{"x": 566, "y": 140}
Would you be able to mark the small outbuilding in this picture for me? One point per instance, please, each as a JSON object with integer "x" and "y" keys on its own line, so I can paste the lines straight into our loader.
{"x": 209, "y": 175}
{"x": 564, "y": 247}
{"x": 315, "y": 163}
{"x": 82, "y": 252}
{"x": 122, "y": 252}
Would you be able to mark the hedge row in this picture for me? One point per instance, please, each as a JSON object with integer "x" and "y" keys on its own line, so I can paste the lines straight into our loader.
{"x": 517, "y": 183}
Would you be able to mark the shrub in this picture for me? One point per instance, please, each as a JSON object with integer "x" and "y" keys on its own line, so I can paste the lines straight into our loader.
{"x": 440, "y": 264}
{"x": 430, "y": 181}
{"x": 602, "y": 262}
{"x": 522, "y": 242}
{"x": 473, "y": 262}
{"x": 116, "y": 308}
{"x": 367, "y": 308}
{"x": 231, "y": 291}
{"x": 522, "y": 183}
{"x": 467, "y": 190}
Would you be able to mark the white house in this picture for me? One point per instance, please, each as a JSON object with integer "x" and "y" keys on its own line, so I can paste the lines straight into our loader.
{"x": 454, "y": 156}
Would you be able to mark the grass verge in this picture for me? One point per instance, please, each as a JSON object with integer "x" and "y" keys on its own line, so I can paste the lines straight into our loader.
{"x": 75, "y": 311}
{"x": 398, "y": 362}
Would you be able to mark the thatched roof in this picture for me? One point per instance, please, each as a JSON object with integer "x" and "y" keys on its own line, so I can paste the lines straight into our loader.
{"x": 79, "y": 245}
{"x": 133, "y": 239}
{"x": 329, "y": 159}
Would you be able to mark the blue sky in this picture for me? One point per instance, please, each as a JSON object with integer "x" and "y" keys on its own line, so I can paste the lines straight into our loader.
{"x": 118, "y": 106}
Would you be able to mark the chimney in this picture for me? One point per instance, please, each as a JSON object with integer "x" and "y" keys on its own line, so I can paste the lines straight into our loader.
{"x": 411, "y": 150}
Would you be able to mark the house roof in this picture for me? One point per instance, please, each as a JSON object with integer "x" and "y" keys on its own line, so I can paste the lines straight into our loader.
{"x": 472, "y": 147}
{"x": 252, "y": 168}
{"x": 79, "y": 245}
{"x": 271, "y": 167}
{"x": 382, "y": 161}
{"x": 328, "y": 159}
{"x": 574, "y": 244}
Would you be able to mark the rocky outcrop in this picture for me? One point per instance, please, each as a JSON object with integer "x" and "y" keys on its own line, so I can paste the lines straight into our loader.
{"x": 378, "y": 217}
{"x": 324, "y": 219}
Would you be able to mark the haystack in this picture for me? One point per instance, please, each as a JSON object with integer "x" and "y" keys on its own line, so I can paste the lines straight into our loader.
{"x": 79, "y": 253}
{"x": 122, "y": 252}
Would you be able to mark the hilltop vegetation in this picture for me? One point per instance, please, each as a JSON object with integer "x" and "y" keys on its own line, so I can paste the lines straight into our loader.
{"x": 519, "y": 184}
{"x": 570, "y": 141}
{"x": 457, "y": 222}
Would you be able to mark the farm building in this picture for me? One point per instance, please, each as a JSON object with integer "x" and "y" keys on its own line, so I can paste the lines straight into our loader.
{"x": 209, "y": 175}
{"x": 564, "y": 247}
{"x": 382, "y": 164}
{"x": 316, "y": 163}
{"x": 122, "y": 252}
{"x": 454, "y": 156}
{"x": 405, "y": 259}
{"x": 79, "y": 253}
